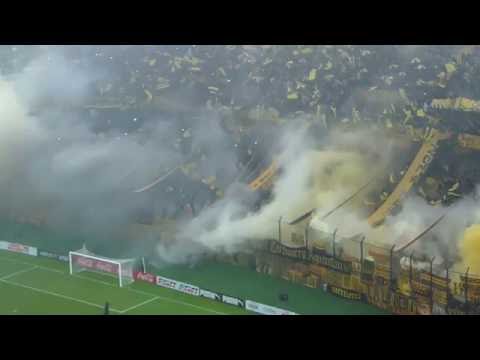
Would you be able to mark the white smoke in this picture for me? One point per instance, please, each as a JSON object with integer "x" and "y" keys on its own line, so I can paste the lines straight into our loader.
{"x": 53, "y": 160}
{"x": 311, "y": 178}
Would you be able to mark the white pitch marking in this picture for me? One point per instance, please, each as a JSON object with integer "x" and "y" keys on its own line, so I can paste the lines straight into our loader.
{"x": 138, "y": 305}
{"x": 55, "y": 294}
{"x": 18, "y": 273}
{"x": 191, "y": 305}
{"x": 132, "y": 290}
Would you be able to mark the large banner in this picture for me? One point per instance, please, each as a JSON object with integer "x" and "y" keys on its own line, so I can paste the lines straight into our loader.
{"x": 345, "y": 293}
{"x": 331, "y": 262}
{"x": 18, "y": 248}
{"x": 266, "y": 309}
{"x": 177, "y": 285}
{"x": 291, "y": 252}
{"x": 318, "y": 257}
{"x": 437, "y": 282}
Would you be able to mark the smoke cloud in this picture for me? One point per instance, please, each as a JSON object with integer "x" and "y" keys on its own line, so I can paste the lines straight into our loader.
{"x": 56, "y": 161}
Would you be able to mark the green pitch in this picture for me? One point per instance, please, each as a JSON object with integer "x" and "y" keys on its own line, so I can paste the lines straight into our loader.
{"x": 49, "y": 289}
{"x": 30, "y": 285}
{"x": 35, "y": 285}
{"x": 248, "y": 284}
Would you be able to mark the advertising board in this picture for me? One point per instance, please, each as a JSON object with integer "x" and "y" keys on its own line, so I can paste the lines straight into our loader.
{"x": 210, "y": 295}
{"x": 19, "y": 248}
{"x": 233, "y": 301}
{"x": 177, "y": 285}
{"x": 266, "y": 309}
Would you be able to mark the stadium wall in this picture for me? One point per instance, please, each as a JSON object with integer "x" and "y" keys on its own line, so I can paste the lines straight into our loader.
{"x": 377, "y": 277}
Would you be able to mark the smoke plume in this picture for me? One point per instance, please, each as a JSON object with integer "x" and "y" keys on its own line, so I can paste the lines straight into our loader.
{"x": 55, "y": 160}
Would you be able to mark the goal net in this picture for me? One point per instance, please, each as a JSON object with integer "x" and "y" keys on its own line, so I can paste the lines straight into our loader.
{"x": 84, "y": 260}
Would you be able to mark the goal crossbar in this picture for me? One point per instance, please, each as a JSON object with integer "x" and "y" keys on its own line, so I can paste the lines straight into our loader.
{"x": 83, "y": 260}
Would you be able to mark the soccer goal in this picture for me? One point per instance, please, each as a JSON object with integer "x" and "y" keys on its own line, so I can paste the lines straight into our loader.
{"x": 84, "y": 260}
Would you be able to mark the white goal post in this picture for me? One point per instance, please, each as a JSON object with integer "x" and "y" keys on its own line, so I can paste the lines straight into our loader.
{"x": 84, "y": 260}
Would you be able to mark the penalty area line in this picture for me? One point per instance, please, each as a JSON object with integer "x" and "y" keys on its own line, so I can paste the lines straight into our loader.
{"x": 8, "y": 276}
{"x": 56, "y": 295}
{"x": 191, "y": 305}
{"x": 138, "y": 305}
{"x": 159, "y": 297}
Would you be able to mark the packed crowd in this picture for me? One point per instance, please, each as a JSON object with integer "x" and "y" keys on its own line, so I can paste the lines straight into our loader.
{"x": 256, "y": 89}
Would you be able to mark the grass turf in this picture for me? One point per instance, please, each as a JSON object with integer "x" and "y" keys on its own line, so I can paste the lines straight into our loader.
{"x": 248, "y": 284}
{"x": 31, "y": 285}
{"x": 224, "y": 278}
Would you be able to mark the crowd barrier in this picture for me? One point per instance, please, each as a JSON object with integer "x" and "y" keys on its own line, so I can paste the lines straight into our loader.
{"x": 357, "y": 270}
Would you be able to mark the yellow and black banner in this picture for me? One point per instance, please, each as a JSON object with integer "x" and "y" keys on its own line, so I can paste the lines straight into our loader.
{"x": 440, "y": 296}
{"x": 402, "y": 304}
{"x": 420, "y": 289}
{"x": 347, "y": 294}
{"x": 316, "y": 257}
{"x": 294, "y": 253}
{"x": 438, "y": 282}
{"x": 331, "y": 262}
{"x": 366, "y": 277}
